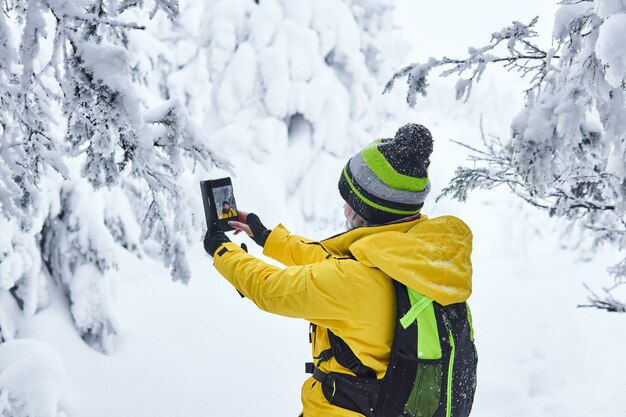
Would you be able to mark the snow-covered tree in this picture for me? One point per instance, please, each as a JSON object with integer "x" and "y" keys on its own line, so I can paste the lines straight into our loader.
{"x": 98, "y": 142}
{"x": 567, "y": 150}
{"x": 90, "y": 156}
{"x": 296, "y": 86}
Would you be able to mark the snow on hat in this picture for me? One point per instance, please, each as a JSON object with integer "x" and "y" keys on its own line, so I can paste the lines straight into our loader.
{"x": 388, "y": 180}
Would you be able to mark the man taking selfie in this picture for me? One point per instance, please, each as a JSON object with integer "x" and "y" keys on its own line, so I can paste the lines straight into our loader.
{"x": 227, "y": 211}
{"x": 391, "y": 331}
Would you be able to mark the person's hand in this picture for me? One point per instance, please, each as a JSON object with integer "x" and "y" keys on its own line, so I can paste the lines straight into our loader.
{"x": 252, "y": 226}
{"x": 213, "y": 239}
{"x": 242, "y": 224}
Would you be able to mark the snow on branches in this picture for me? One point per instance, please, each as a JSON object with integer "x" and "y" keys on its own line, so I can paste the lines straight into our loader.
{"x": 80, "y": 126}
{"x": 567, "y": 149}
{"x": 521, "y": 54}
{"x": 294, "y": 85}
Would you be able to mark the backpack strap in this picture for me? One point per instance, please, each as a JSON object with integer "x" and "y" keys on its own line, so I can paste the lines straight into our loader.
{"x": 350, "y": 392}
{"x": 345, "y": 357}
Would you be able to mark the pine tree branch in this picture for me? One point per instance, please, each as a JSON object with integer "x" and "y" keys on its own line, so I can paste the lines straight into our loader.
{"x": 478, "y": 60}
{"x": 94, "y": 19}
{"x": 608, "y": 302}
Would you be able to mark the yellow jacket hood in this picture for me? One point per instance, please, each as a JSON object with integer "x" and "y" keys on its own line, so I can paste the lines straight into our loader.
{"x": 431, "y": 256}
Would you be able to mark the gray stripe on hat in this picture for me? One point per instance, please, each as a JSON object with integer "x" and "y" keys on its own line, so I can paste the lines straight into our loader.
{"x": 366, "y": 178}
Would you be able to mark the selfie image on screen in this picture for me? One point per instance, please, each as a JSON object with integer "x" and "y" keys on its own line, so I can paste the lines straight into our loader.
{"x": 225, "y": 202}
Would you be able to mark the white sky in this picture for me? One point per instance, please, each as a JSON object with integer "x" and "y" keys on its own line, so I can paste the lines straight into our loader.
{"x": 438, "y": 28}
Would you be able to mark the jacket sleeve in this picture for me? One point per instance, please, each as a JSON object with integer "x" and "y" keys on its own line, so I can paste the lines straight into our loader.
{"x": 290, "y": 249}
{"x": 323, "y": 293}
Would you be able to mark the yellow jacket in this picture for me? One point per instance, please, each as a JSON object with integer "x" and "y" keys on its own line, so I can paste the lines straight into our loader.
{"x": 343, "y": 284}
{"x": 231, "y": 213}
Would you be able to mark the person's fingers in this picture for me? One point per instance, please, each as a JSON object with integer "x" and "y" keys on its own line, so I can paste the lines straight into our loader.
{"x": 239, "y": 226}
{"x": 243, "y": 216}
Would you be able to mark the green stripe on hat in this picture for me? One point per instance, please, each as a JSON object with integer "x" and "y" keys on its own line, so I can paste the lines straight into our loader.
{"x": 377, "y": 162}
{"x": 371, "y": 203}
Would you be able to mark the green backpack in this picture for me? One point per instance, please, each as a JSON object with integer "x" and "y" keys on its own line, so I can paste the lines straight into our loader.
{"x": 432, "y": 364}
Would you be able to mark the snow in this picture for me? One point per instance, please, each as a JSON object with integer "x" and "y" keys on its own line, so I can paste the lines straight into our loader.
{"x": 564, "y": 16}
{"x": 275, "y": 72}
{"x": 264, "y": 23}
{"x": 606, "y": 8}
{"x": 92, "y": 295}
{"x": 610, "y": 48}
{"x": 109, "y": 63}
{"x": 338, "y": 30}
{"x": 238, "y": 84}
{"x": 31, "y": 379}
{"x": 300, "y": 12}
{"x": 20, "y": 262}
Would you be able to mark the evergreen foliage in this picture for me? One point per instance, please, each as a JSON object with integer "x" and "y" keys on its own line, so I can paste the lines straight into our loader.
{"x": 89, "y": 157}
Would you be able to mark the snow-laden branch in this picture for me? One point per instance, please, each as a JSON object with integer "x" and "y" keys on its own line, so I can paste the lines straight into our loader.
{"x": 567, "y": 147}
{"x": 607, "y": 302}
{"x": 519, "y": 54}
{"x": 78, "y": 124}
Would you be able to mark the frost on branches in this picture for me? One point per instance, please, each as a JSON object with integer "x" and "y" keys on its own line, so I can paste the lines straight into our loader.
{"x": 91, "y": 158}
{"x": 567, "y": 149}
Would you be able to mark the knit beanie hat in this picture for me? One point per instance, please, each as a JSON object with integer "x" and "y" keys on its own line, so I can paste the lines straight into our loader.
{"x": 388, "y": 180}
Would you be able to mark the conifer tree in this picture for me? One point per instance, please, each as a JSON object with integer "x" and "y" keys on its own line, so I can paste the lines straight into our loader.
{"x": 79, "y": 128}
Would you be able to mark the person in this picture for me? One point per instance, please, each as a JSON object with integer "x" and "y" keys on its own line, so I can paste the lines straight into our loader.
{"x": 344, "y": 285}
{"x": 227, "y": 211}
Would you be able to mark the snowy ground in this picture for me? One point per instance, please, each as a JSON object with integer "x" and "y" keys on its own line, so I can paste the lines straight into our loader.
{"x": 200, "y": 350}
